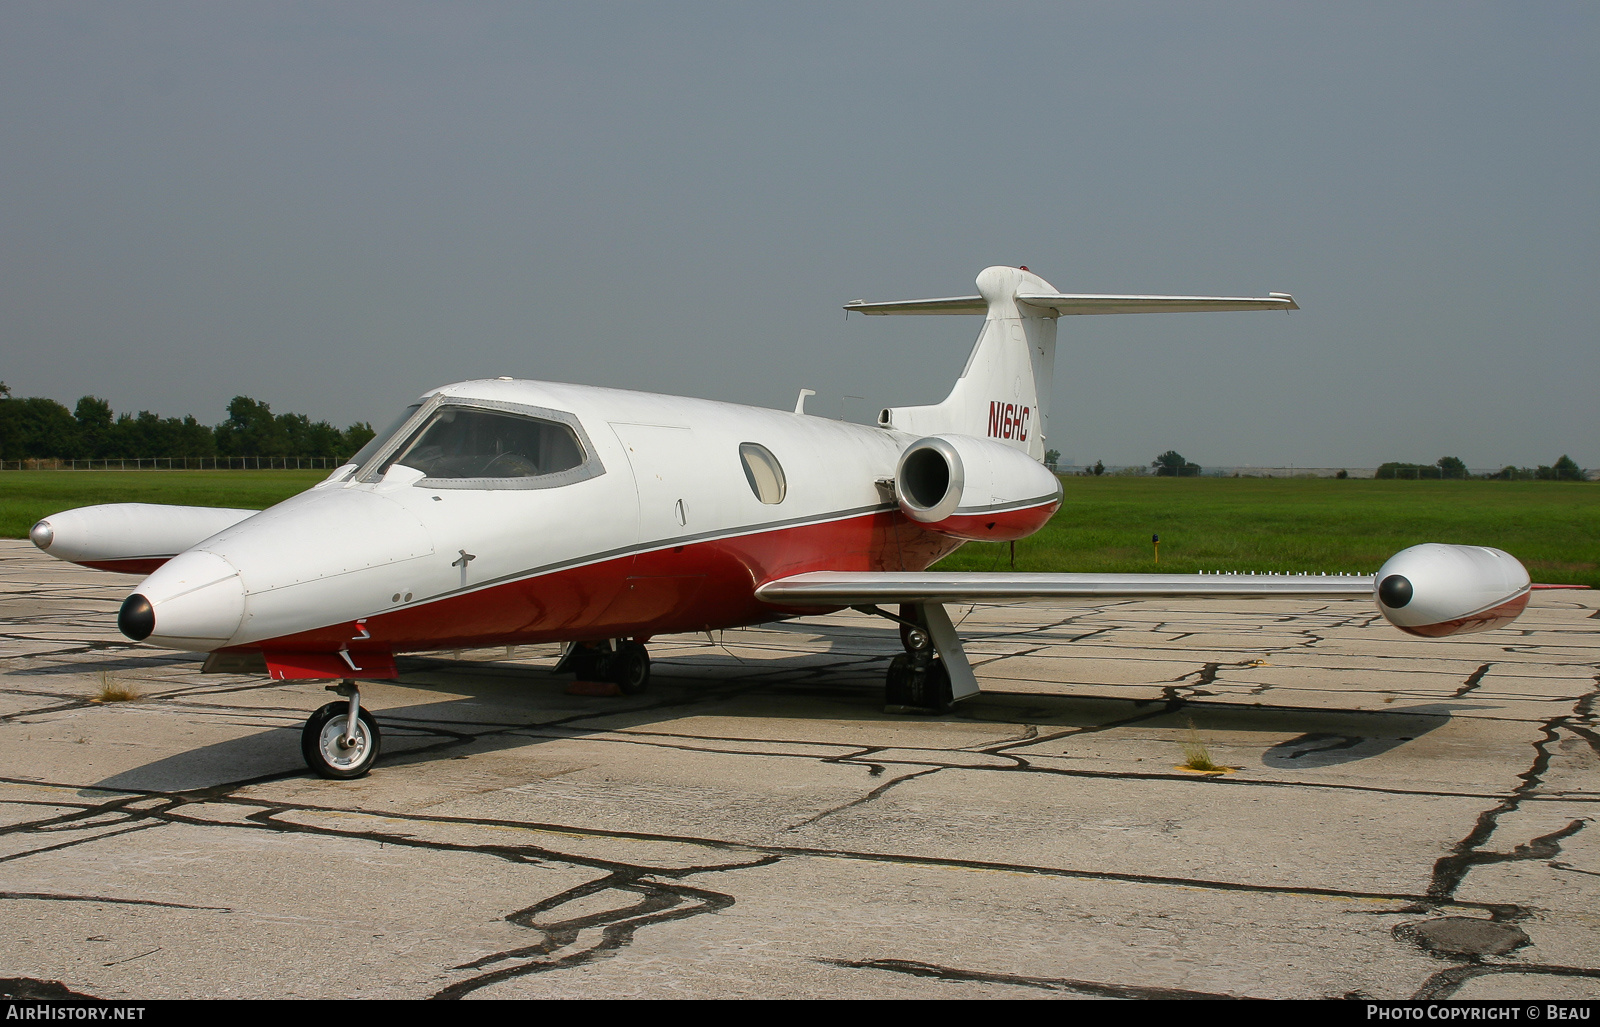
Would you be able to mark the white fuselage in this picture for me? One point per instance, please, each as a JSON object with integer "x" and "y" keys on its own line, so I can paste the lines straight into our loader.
{"x": 667, "y": 532}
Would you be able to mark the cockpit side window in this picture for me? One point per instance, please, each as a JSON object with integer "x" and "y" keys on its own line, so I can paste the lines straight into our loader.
{"x": 763, "y": 473}
{"x": 497, "y": 446}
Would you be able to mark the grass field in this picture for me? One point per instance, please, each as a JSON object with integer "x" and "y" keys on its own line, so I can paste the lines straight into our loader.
{"x": 26, "y": 496}
{"x": 1105, "y": 524}
{"x": 1304, "y": 524}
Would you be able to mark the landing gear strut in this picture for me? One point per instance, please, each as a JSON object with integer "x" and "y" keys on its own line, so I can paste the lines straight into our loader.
{"x": 341, "y": 740}
{"x": 623, "y": 662}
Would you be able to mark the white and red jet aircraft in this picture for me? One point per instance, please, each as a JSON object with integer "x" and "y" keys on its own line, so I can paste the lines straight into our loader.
{"x": 505, "y": 511}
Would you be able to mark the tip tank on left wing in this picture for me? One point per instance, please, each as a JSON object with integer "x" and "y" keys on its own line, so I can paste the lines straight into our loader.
{"x": 1434, "y": 590}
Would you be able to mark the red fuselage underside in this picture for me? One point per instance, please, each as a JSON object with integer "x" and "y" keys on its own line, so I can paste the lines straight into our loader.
{"x": 697, "y": 586}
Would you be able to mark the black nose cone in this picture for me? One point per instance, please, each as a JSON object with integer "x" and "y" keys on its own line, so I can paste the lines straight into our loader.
{"x": 136, "y": 619}
{"x": 1394, "y": 591}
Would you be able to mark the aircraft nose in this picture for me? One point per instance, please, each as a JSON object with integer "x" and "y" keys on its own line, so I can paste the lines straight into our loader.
{"x": 137, "y": 618}
{"x": 195, "y": 601}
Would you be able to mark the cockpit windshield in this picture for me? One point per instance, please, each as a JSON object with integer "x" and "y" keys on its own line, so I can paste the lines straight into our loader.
{"x": 505, "y": 446}
{"x": 482, "y": 444}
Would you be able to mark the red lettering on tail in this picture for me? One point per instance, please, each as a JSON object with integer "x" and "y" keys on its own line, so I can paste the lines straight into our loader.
{"x": 1009, "y": 421}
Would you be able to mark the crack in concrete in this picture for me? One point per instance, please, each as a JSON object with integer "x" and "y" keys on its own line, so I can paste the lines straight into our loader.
{"x": 1450, "y": 870}
{"x": 1095, "y": 988}
{"x": 1445, "y": 983}
{"x": 860, "y": 800}
{"x": 44, "y": 896}
{"x": 1472, "y": 681}
{"x": 1569, "y": 868}
{"x": 660, "y": 902}
{"x": 24, "y": 854}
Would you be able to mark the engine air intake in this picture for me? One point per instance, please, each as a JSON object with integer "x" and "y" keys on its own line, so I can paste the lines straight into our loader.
{"x": 929, "y": 480}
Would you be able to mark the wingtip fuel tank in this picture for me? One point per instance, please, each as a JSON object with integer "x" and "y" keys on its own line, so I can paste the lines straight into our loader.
{"x": 1434, "y": 590}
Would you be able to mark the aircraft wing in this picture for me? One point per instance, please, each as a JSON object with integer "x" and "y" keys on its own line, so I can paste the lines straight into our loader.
{"x": 857, "y": 588}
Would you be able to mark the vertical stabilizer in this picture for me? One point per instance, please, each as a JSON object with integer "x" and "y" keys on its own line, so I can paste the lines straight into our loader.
{"x": 1003, "y": 393}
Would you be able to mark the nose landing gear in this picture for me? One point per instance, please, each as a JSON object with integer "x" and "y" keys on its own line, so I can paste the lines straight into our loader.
{"x": 341, "y": 740}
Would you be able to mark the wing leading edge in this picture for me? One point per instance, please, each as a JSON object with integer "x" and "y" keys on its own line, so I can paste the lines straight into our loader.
{"x": 852, "y": 588}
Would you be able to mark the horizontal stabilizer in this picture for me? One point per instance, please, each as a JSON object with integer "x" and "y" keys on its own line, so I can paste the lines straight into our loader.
{"x": 1066, "y": 303}
{"x": 947, "y": 305}
{"x": 853, "y": 588}
{"x": 1063, "y": 304}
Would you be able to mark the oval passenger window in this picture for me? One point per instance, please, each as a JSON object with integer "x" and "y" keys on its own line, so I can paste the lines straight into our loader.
{"x": 763, "y": 472}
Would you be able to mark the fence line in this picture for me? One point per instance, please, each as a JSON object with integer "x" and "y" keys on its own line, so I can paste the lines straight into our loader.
{"x": 177, "y": 463}
{"x": 328, "y": 463}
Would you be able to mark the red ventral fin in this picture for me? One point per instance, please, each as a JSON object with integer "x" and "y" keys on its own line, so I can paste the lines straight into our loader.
{"x": 368, "y": 665}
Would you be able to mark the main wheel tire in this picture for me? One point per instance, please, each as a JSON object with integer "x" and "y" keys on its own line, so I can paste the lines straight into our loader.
{"x": 629, "y": 667}
{"x": 910, "y": 690}
{"x": 321, "y": 742}
{"x": 897, "y": 685}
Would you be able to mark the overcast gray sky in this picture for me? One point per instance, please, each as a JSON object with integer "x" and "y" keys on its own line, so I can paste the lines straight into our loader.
{"x": 332, "y": 207}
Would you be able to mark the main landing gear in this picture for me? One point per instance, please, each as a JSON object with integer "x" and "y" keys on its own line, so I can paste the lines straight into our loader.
{"x": 918, "y": 679}
{"x": 621, "y": 661}
{"x": 341, "y": 740}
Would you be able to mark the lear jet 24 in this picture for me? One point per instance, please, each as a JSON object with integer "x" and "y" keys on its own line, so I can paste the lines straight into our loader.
{"x": 506, "y": 511}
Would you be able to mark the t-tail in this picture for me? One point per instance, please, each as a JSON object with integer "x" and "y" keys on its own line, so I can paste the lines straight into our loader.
{"x": 1004, "y": 392}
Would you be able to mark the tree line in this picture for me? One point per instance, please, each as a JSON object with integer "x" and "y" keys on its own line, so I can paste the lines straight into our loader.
{"x": 40, "y": 428}
{"x": 1446, "y": 467}
{"x": 1172, "y": 464}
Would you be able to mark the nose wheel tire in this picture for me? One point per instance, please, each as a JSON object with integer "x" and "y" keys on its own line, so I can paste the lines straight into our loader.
{"x": 329, "y": 753}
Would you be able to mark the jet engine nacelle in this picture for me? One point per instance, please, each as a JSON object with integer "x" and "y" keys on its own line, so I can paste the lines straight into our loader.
{"x": 134, "y": 538}
{"x": 970, "y": 488}
{"x": 1436, "y": 590}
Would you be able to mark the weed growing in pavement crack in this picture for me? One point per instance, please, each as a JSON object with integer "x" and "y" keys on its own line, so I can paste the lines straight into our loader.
{"x": 1197, "y": 757}
{"x": 112, "y": 690}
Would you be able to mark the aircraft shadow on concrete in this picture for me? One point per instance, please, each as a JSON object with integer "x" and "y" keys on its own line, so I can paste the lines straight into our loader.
{"x": 100, "y": 665}
{"x": 499, "y": 706}
{"x": 1329, "y": 748}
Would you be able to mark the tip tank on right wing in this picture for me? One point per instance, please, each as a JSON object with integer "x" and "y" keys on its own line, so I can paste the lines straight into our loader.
{"x": 1434, "y": 590}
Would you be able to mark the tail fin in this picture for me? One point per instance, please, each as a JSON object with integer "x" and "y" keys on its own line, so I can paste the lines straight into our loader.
{"x": 1004, "y": 392}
